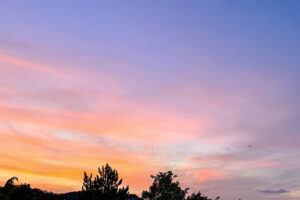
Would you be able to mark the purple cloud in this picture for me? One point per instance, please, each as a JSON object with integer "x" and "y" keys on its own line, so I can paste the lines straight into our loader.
{"x": 280, "y": 191}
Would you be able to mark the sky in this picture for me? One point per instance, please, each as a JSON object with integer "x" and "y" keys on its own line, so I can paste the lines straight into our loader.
{"x": 207, "y": 89}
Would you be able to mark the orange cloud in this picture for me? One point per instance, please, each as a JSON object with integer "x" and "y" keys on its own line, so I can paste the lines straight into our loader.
{"x": 66, "y": 160}
{"x": 147, "y": 129}
{"x": 208, "y": 174}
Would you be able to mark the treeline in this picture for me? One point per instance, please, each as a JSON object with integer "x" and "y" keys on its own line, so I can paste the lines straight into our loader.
{"x": 106, "y": 185}
{"x": 24, "y": 192}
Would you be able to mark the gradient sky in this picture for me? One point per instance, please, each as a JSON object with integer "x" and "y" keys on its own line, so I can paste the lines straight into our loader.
{"x": 208, "y": 89}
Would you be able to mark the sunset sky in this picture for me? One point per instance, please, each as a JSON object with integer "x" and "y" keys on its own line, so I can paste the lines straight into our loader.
{"x": 207, "y": 89}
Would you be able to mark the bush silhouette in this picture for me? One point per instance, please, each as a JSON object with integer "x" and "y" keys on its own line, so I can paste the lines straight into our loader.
{"x": 24, "y": 192}
{"x": 105, "y": 186}
{"x": 199, "y": 196}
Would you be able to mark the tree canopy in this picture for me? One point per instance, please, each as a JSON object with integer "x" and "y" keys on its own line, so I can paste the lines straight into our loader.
{"x": 199, "y": 196}
{"x": 164, "y": 188}
{"x": 106, "y": 185}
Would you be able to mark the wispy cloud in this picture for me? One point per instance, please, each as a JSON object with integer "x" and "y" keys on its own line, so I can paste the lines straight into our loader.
{"x": 22, "y": 63}
{"x": 280, "y": 191}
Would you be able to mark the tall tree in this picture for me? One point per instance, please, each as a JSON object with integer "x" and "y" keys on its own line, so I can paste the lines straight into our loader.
{"x": 105, "y": 186}
{"x": 164, "y": 187}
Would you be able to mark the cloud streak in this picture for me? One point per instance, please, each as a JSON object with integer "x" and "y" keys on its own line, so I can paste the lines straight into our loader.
{"x": 280, "y": 191}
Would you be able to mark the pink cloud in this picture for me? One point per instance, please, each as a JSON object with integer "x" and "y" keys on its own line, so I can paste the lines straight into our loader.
{"x": 28, "y": 65}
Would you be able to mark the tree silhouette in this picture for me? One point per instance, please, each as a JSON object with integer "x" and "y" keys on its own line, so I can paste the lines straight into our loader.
{"x": 104, "y": 186}
{"x": 199, "y": 196}
{"x": 24, "y": 192}
{"x": 10, "y": 182}
{"x": 165, "y": 188}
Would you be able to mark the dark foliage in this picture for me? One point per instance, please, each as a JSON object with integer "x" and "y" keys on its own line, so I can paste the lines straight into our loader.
{"x": 70, "y": 196}
{"x": 199, "y": 196}
{"x": 133, "y": 197}
{"x": 24, "y": 192}
{"x": 105, "y": 186}
{"x": 165, "y": 188}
